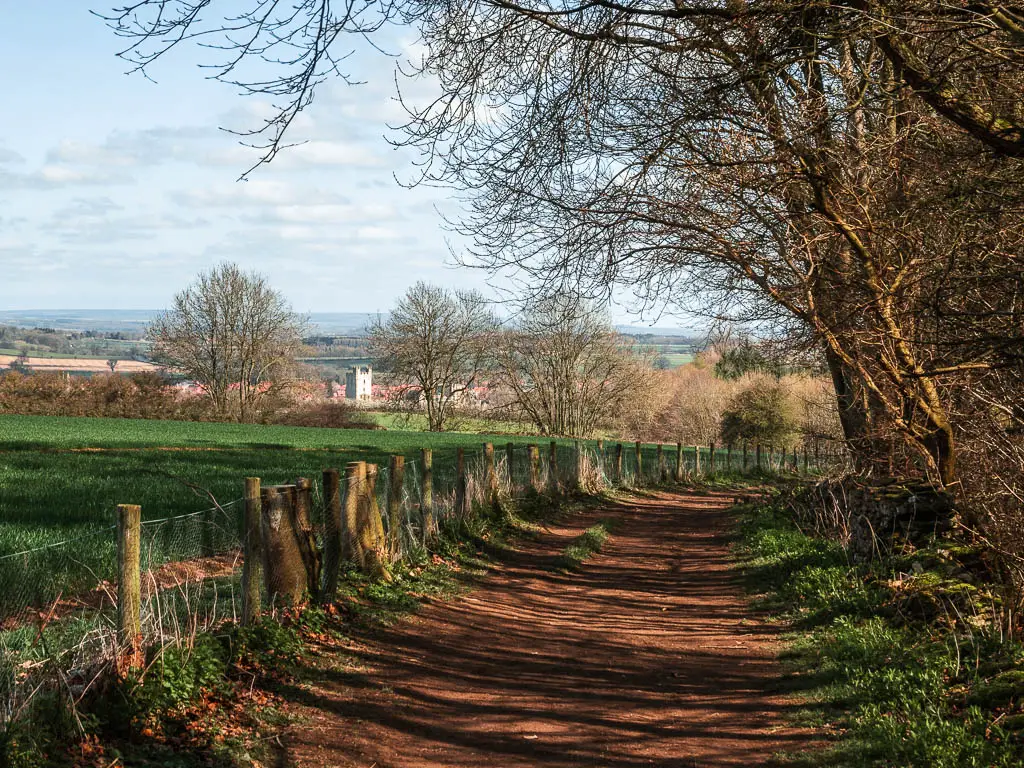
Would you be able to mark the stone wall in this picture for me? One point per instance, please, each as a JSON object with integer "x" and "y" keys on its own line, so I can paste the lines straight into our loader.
{"x": 883, "y": 517}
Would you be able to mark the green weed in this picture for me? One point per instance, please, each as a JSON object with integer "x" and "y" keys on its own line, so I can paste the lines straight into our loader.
{"x": 586, "y": 544}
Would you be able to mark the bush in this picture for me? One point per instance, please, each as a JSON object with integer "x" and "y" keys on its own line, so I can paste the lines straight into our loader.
{"x": 323, "y": 414}
{"x": 763, "y": 412}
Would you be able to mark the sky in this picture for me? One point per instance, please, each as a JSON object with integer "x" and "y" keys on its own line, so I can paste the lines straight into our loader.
{"x": 115, "y": 191}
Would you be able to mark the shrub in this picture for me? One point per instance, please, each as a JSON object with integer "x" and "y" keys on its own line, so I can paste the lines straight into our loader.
{"x": 763, "y": 412}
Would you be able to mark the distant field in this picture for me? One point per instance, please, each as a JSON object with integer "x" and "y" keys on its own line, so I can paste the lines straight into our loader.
{"x": 57, "y": 362}
{"x": 676, "y": 359}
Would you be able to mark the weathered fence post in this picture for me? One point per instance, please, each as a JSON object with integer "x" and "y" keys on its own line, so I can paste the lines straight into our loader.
{"x": 461, "y": 502}
{"x": 553, "y": 467}
{"x": 284, "y": 572}
{"x": 757, "y": 454}
{"x": 679, "y": 462}
{"x": 577, "y": 474}
{"x": 618, "y": 463}
{"x": 510, "y": 463}
{"x": 696, "y": 459}
{"x": 427, "y": 495}
{"x": 491, "y": 476}
{"x": 251, "y": 555}
{"x": 332, "y": 534}
{"x": 371, "y": 527}
{"x": 796, "y": 461}
{"x": 711, "y": 458}
{"x": 639, "y": 462}
{"x": 806, "y": 468}
{"x": 355, "y": 480}
{"x": 744, "y": 456}
{"x": 302, "y": 505}
{"x": 396, "y": 486}
{"x": 533, "y": 458}
{"x": 728, "y": 457}
{"x": 129, "y": 580}
{"x": 662, "y": 470}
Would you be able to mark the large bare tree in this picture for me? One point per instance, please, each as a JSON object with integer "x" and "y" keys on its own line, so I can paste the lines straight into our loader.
{"x": 844, "y": 171}
{"x": 434, "y": 343}
{"x": 232, "y": 334}
{"x": 568, "y": 370}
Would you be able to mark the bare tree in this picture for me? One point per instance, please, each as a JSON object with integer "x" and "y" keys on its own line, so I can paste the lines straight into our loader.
{"x": 434, "y": 343}
{"x": 234, "y": 335}
{"x": 568, "y": 370}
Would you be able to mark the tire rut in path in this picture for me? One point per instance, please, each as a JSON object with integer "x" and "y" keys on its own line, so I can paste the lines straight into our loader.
{"x": 647, "y": 656}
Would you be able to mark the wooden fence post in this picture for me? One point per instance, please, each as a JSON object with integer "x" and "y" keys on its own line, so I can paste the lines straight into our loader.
{"x": 696, "y": 459}
{"x": 744, "y": 455}
{"x": 252, "y": 557}
{"x": 491, "y": 476}
{"x": 806, "y": 468}
{"x": 510, "y": 463}
{"x": 577, "y": 474}
{"x": 355, "y": 480}
{"x": 533, "y": 458}
{"x": 129, "y": 580}
{"x": 796, "y": 461}
{"x": 302, "y": 506}
{"x": 757, "y": 454}
{"x": 371, "y": 527}
{"x": 553, "y": 467}
{"x": 679, "y": 462}
{"x": 618, "y": 463}
{"x": 639, "y": 462}
{"x": 728, "y": 457}
{"x": 333, "y": 526}
{"x": 711, "y": 458}
{"x": 461, "y": 502}
{"x": 396, "y": 486}
{"x": 427, "y": 495}
{"x": 284, "y": 572}
{"x": 662, "y": 470}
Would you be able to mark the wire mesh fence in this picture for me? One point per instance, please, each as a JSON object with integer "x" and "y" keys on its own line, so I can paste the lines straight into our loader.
{"x": 59, "y": 604}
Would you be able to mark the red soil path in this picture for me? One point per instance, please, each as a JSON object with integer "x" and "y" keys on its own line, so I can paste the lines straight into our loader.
{"x": 647, "y": 656}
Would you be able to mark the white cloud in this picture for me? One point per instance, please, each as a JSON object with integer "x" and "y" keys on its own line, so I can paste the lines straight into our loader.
{"x": 324, "y": 153}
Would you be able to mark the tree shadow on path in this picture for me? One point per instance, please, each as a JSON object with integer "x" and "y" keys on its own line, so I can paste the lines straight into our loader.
{"x": 648, "y": 655}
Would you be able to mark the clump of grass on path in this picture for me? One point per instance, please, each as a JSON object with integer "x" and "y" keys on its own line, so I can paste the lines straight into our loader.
{"x": 893, "y": 659}
{"x": 586, "y": 544}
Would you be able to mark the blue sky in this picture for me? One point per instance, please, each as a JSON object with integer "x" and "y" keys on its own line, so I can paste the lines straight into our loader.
{"x": 115, "y": 191}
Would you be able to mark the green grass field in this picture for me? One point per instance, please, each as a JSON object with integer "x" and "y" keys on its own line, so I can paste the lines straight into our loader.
{"x": 61, "y": 479}
{"x": 58, "y": 473}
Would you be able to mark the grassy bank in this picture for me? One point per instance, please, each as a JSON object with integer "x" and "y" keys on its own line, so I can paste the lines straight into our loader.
{"x": 896, "y": 662}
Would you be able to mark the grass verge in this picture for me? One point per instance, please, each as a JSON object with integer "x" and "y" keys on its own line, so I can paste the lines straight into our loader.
{"x": 895, "y": 661}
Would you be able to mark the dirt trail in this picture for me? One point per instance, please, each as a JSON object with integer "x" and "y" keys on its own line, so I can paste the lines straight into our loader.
{"x": 647, "y": 656}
